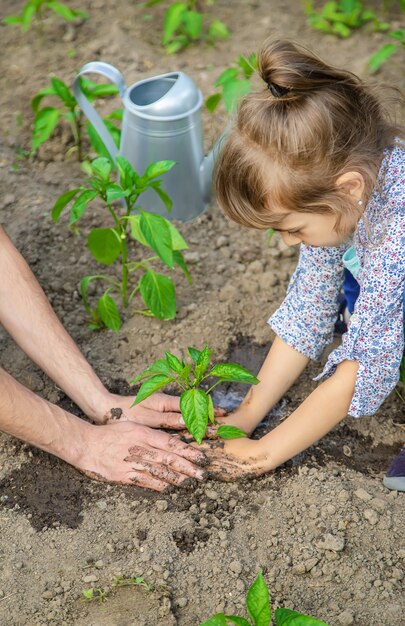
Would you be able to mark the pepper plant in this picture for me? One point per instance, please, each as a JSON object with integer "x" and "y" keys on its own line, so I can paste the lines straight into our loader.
{"x": 341, "y": 17}
{"x": 259, "y": 611}
{"x": 47, "y": 118}
{"x": 184, "y": 24}
{"x": 109, "y": 245}
{"x": 34, "y": 10}
{"x": 234, "y": 83}
{"x": 196, "y": 405}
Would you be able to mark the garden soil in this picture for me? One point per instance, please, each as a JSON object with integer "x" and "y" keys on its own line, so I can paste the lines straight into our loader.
{"x": 327, "y": 535}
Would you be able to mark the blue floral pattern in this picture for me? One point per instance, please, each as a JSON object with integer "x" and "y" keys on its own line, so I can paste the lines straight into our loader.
{"x": 375, "y": 336}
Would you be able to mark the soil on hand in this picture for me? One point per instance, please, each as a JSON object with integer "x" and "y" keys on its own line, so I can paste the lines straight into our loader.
{"x": 327, "y": 535}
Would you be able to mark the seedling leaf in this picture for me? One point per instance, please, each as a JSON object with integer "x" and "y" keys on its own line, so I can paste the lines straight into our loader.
{"x": 44, "y": 125}
{"x": 218, "y": 30}
{"x": 173, "y": 19}
{"x": 178, "y": 242}
{"x": 158, "y": 168}
{"x": 287, "y": 617}
{"x": 230, "y": 432}
{"x": 62, "y": 90}
{"x": 179, "y": 260}
{"x": 109, "y": 312}
{"x": 194, "y": 409}
{"x": 102, "y": 168}
{"x": 156, "y": 232}
{"x": 80, "y": 204}
{"x": 202, "y": 363}
{"x": 212, "y": 102}
{"x": 115, "y": 192}
{"x": 104, "y": 244}
{"x": 258, "y": 602}
{"x": 174, "y": 363}
{"x": 150, "y": 386}
{"x": 158, "y": 294}
{"x": 162, "y": 195}
{"x": 232, "y": 372}
{"x": 379, "y": 57}
{"x": 239, "y": 621}
{"x": 62, "y": 201}
{"x": 158, "y": 367}
{"x": 211, "y": 414}
{"x": 217, "y": 620}
{"x": 194, "y": 354}
{"x": 193, "y": 23}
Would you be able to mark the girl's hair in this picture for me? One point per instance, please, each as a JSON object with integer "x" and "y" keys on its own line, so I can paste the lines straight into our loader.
{"x": 291, "y": 142}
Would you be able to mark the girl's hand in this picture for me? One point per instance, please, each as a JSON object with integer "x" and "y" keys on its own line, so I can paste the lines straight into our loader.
{"x": 234, "y": 458}
{"x": 158, "y": 411}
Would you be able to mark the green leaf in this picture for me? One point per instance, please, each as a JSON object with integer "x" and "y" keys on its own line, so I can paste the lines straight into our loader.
{"x": 230, "y": 432}
{"x": 102, "y": 168}
{"x": 115, "y": 192}
{"x": 239, "y": 621}
{"x": 80, "y": 204}
{"x": 104, "y": 244}
{"x": 84, "y": 285}
{"x": 174, "y": 363}
{"x": 194, "y": 409}
{"x": 11, "y": 19}
{"x": 178, "y": 242}
{"x": 258, "y": 603}
{"x": 104, "y": 90}
{"x": 44, "y": 124}
{"x": 167, "y": 201}
{"x": 109, "y": 312}
{"x": 88, "y": 593}
{"x": 193, "y": 23}
{"x": 27, "y": 14}
{"x": 158, "y": 169}
{"x": 173, "y": 19}
{"x": 218, "y": 30}
{"x": 232, "y": 372}
{"x": 233, "y": 91}
{"x": 287, "y": 617}
{"x": 63, "y": 91}
{"x": 211, "y": 414}
{"x": 180, "y": 261}
{"x": 136, "y": 232}
{"x": 155, "y": 230}
{"x": 212, "y": 102}
{"x": 36, "y": 101}
{"x": 158, "y": 294}
{"x": 150, "y": 386}
{"x": 246, "y": 66}
{"x": 217, "y": 620}
{"x": 377, "y": 59}
{"x": 128, "y": 176}
{"x": 194, "y": 354}
{"x": 65, "y": 12}
{"x": 203, "y": 362}
{"x": 178, "y": 43}
{"x": 231, "y": 73}
{"x": 62, "y": 201}
{"x": 158, "y": 367}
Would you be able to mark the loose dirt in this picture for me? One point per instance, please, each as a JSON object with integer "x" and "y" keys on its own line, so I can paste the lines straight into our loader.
{"x": 327, "y": 535}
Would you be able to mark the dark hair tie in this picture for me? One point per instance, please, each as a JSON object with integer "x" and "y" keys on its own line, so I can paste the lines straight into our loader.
{"x": 277, "y": 91}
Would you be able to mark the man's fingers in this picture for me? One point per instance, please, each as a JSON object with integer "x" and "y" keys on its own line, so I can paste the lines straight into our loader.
{"x": 172, "y": 443}
{"x": 165, "y": 461}
{"x": 161, "y": 472}
{"x": 144, "y": 480}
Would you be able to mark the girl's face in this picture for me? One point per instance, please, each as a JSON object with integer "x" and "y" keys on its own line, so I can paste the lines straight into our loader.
{"x": 312, "y": 229}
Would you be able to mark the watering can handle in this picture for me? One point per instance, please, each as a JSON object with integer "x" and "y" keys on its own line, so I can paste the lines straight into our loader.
{"x": 110, "y": 72}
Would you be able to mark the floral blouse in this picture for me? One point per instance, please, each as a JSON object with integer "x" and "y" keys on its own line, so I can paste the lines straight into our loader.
{"x": 375, "y": 336}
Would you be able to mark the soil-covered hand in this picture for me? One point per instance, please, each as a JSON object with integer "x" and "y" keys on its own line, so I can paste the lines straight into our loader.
{"x": 128, "y": 453}
{"x": 235, "y": 458}
{"x": 158, "y": 411}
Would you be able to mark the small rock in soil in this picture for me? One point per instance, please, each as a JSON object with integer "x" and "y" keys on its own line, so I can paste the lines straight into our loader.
{"x": 346, "y": 618}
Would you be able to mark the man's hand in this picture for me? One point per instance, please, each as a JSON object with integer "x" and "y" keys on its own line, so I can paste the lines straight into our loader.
{"x": 157, "y": 411}
{"x": 235, "y": 458}
{"x": 128, "y": 453}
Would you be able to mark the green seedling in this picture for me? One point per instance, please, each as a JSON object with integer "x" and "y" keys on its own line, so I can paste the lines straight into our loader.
{"x": 130, "y": 581}
{"x": 90, "y": 594}
{"x": 387, "y": 50}
{"x": 35, "y": 10}
{"x": 259, "y": 611}
{"x": 196, "y": 405}
{"x": 108, "y": 245}
{"x": 185, "y": 23}
{"x": 47, "y": 118}
{"x": 340, "y": 18}
{"x": 234, "y": 83}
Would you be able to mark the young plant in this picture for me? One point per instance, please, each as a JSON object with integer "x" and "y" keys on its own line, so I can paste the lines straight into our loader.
{"x": 47, "y": 118}
{"x": 196, "y": 405}
{"x": 34, "y": 10}
{"x": 130, "y": 581}
{"x": 259, "y": 611}
{"x": 91, "y": 594}
{"x": 184, "y": 24}
{"x": 387, "y": 50}
{"x": 234, "y": 83}
{"x": 341, "y": 17}
{"x": 107, "y": 245}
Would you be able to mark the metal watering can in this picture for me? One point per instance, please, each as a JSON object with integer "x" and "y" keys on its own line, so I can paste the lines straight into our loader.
{"x": 162, "y": 120}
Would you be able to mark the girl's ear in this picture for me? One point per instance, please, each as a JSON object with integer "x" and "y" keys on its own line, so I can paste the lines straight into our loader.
{"x": 352, "y": 184}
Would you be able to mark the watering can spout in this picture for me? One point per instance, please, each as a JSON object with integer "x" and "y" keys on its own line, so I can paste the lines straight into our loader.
{"x": 207, "y": 167}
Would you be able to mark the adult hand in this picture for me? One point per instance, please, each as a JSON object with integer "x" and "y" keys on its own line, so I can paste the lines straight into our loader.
{"x": 128, "y": 453}
{"x": 234, "y": 458}
{"x": 158, "y": 411}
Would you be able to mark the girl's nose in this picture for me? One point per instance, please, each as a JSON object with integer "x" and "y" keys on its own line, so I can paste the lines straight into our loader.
{"x": 290, "y": 240}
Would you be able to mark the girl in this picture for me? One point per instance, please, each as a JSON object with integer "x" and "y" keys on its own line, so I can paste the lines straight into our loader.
{"x": 316, "y": 158}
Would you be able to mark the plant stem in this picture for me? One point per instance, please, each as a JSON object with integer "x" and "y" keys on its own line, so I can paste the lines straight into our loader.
{"x": 214, "y": 385}
{"x": 79, "y": 136}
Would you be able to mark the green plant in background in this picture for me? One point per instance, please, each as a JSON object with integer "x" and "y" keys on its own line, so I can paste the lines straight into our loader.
{"x": 107, "y": 245}
{"x": 36, "y": 9}
{"x": 342, "y": 17}
{"x": 184, "y": 23}
{"x": 234, "y": 83}
{"x": 259, "y": 611}
{"x": 387, "y": 50}
{"x": 98, "y": 593}
{"x": 47, "y": 118}
{"x": 196, "y": 405}
{"x": 130, "y": 581}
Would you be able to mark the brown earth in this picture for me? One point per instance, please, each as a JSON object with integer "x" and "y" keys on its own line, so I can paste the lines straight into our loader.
{"x": 327, "y": 535}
